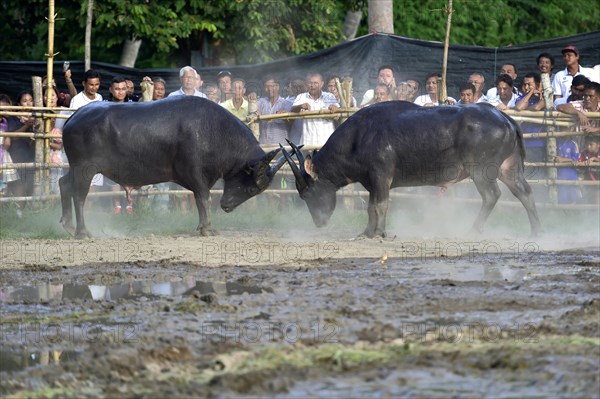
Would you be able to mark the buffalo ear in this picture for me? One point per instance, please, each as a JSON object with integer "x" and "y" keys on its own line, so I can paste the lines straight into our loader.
{"x": 309, "y": 167}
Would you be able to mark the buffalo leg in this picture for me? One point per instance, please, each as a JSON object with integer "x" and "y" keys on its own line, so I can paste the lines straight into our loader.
{"x": 202, "y": 197}
{"x": 377, "y": 211}
{"x": 66, "y": 198}
{"x": 81, "y": 186}
{"x": 516, "y": 183}
{"x": 490, "y": 192}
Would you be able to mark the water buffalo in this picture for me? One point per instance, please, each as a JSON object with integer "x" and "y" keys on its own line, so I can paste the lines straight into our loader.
{"x": 187, "y": 140}
{"x": 399, "y": 144}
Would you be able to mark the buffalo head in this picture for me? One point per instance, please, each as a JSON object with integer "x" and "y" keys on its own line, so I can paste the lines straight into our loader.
{"x": 319, "y": 194}
{"x": 250, "y": 181}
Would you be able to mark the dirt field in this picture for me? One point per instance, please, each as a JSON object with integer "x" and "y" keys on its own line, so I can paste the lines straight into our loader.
{"x": 317, "y": 313}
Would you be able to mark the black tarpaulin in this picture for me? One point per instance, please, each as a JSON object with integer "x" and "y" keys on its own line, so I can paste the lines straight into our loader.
{"x": 359, "y": 58}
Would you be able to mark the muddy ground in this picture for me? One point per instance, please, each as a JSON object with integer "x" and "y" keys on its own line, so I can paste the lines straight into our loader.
{"x": 261, "y": 312}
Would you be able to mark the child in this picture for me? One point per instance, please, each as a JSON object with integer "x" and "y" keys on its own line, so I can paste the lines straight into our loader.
{"x": 6, "y": 175}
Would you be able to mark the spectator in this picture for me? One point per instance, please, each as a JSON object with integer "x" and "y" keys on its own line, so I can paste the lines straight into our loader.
{"x": 563, "y": 79}
{"x": 118, "y": 91}
{"x": 478, "y": 81}
{"x": 507, "y": 69}
{"x": 22, "y": 149}
{"x": 64, "y": 98}
{"x": 189, "y": 81}
{"x": 315, "y": 131}
{"x": 119, "y": 94}
{"x": 408, "y": 90}
{"x": 545, "y": 64}
{"x": 381, "y": 93}
{"x": 275, "y": 131}
{"x": 160, "y": 88}
{"x": 225, "y": 85}
{"x": 213, "y": 93}
{"x": 467, "y": 93}
{"x": 506, "y": 96}
{"x": 237, "y": 105}
{"x": 8, "y": 175}
{"x": 131, "y": 91}
{"x": 91, "y": 85}
{"x": 385, "y": 75}
{"x": 567, "y": 151}
{"x": 533, "y": 100}
{"x": 578, "y": 85}
{"x": 56, "y": 147}
{"x": 294, "y": 88}
{"x": 332, "y": 88}
{"x": 591, "y": 157}
{"x": 590, "y": 103}
{"x": 431, "y": 87}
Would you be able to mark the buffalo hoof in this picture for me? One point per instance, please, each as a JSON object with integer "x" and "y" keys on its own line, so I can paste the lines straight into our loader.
{"x": 207, "y": 232}
{"x": 69, "y": 228}
{"x": 372, "y": 234}
{"x": 82, "y": 234}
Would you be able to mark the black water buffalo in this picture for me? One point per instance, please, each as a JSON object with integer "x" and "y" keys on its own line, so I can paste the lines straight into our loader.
{"x": 400, "y": 144}
{"x": 186, "y": 140}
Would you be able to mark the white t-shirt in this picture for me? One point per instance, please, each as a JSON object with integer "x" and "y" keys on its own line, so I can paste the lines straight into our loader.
{"x": 426, "y": 99}
{"x": 562, "y": 80}
{"x": 81, "y": 99}
{"x": 316, "y": 131}
{"x": 77, "y": 102}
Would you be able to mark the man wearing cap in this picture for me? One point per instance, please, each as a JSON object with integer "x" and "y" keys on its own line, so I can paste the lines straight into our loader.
{"x": 563, "y": 79}
{"x": 224, "y": 83}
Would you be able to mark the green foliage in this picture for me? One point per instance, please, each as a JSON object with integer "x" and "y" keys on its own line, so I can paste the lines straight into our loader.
{"x": 497, "y": 23}
{"x": 252, "y": 31}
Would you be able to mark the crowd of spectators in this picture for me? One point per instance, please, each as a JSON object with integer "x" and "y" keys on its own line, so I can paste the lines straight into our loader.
{"x": 576, "y": 92}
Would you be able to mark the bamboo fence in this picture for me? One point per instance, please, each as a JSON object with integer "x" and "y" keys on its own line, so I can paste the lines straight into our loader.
{"x": 554, "y": 119}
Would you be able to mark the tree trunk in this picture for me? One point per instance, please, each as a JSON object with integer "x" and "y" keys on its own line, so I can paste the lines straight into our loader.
{"x": 88, "y": 35}
{"x": 351, "y": 24}
{"x": 381, "y": 16}
{"x": 129, "y": 55}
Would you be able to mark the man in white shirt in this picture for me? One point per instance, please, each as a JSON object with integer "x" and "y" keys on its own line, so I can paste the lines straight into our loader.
{"x": 507, "y": 69}
{"x": 190, "y": 79}
{"x": 385, "y": 75}
{"x": 315, "y": 131}
{"x": 91, "y": 84}
{"x": 563, "y": 79}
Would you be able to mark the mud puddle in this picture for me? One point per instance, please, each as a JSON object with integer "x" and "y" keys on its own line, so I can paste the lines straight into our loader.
{"x": 493, "y": 324}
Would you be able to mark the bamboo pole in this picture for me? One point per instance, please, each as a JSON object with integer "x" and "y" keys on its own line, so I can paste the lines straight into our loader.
{"x": 443, "y": 93}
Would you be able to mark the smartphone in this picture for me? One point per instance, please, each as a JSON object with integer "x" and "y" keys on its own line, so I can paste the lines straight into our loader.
{"x": 66, "y": 65}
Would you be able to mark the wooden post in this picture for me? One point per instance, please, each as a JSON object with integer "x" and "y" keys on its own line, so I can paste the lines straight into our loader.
{"x": 551, "y": 152}
{"x": 443, "y": 93}
{"x": 45, "y": 174}
{"x": 37, "y": 174}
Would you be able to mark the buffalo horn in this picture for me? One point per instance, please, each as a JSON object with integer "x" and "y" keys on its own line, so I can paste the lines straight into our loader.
{"x": 279, "y": 163}
{"x": 299, "y": 155}
{"x": 262, "y": 175}
{"x": 301, "y": 183}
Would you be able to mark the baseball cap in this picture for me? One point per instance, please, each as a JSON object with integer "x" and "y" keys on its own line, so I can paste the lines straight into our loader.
{"x": 570, "y": 48}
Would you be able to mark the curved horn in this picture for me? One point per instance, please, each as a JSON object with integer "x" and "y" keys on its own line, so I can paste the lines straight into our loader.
{"x": 280, "y": 161}
{"x": 262, "y": 173}
{"x": 299, "y": 155}
{"x": 301, "y": 182}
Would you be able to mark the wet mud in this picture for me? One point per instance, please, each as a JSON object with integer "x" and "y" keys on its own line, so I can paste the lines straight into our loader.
{"x": 263, "y": 314}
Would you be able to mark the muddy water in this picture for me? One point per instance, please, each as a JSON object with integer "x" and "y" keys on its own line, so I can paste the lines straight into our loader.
{"x": 374, "y": 319}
